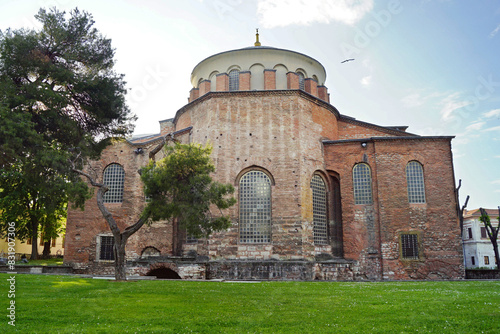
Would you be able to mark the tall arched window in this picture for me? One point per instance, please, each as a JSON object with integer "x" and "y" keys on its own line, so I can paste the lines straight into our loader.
{"x": 234, "y": 80}
{"x": 319, "y": 210}
{"x": 302, "y": 79}
{"x": 114, "y": 178}
{"x": 415, "y": 181}
{"x": 255, "y": 208}
{"x": 362, "y": 180}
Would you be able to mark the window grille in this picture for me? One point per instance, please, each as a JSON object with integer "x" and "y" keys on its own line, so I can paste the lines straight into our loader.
{"x": 114, "y": 178}
{"x": 409, "y": 246}
{"x": 415, "y": 180}
{"x": 255, "y": 208}
{"x": 362, "y": 180}
{"x": 319, "y": 210}
{"x": 301, "y": 81}
{"x": 106, "y": 249}
{"x": 234, "y": 80}
{"x": 191, "y": 240}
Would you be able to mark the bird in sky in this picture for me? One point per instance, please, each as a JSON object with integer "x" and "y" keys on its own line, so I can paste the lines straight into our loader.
{"x": 345, "y": 61}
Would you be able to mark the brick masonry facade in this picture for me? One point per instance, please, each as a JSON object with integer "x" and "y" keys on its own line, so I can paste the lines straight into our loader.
{"x": 290, "y": 135}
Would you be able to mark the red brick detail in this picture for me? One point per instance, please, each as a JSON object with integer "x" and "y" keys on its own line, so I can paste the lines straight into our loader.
{"x": 244, "y": 80}
{"x": 204, "y": 87}
{"x": 222, "y": 82}
{"x": 193, "y": 94}
{"x": 323, "y": 93}
{"x": 269, "y": 79}
{"x": 292, "y": 80}
{"x": 311, "y": 86}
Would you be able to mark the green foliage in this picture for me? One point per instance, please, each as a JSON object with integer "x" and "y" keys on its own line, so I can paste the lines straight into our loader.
{"x": 180, "y": 186}
{"x": 58, "y": 94}
{"x": 46, "y": 304}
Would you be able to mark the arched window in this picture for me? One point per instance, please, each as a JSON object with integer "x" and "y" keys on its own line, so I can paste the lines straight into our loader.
{"x": 255, "y": 207}
{"x": 234, "y": 80}
{"x": 114, "y": 178}
{"x": 415, "y": 181}
{"x": 319, "y": 210}
{"x": 302, "y": 79}
{"x": 362, "y": 180}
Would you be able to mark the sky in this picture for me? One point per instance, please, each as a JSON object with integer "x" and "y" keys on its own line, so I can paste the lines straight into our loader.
{"x": 433, "y": 65}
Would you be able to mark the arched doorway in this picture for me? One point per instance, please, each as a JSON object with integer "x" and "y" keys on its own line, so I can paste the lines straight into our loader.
{"x": 163, "y": 273}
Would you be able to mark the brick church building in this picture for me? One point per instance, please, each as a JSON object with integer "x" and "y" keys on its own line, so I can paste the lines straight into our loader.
{"x": 321, "y": 195}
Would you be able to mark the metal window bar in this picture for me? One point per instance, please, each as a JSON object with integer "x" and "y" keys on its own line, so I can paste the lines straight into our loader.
{"x": 114, "y": 178}
{"x": 409, "y": 246}
{"x": 255, "y": 208}
{"x": 415, "y": 180}
{"x": 362, "y": 180}
{"x": 106, "y": 252}
{"x": 234, "y": 80}
{"x": 320, "y": 235}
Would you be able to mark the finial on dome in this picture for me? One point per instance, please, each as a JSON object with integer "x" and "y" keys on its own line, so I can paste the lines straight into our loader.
{"x": 257, "y": 43}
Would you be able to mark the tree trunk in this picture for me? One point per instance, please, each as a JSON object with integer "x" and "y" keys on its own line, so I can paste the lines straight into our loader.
{"x": 34, "y": 240}
{"x": 46, "y": 250}
{"x": 119, "y": 250}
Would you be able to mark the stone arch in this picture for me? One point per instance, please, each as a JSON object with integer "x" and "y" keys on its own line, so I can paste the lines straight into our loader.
{"x": 257, "y": 77}
{"x": 150, "y": 251}
{"x": 254, "y": 167}
{"x": 213, "y": 80}
{"x": 281, "y": 80}
{"x": 163, "y": 273}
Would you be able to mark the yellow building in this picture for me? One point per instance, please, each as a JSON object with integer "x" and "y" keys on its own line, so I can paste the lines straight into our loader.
{"x": 24, "y": 247}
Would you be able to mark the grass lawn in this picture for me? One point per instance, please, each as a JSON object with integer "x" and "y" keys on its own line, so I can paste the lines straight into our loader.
{"x": 43, "y": 262}
{"x": 67, "y": 304}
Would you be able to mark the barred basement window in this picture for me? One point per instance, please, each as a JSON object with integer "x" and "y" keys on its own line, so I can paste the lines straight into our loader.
{"x": 255, "y": 208}
{"x": 362, "y": 180}
{"x": 409, "y": 246}
{"x": 106, "y": 248}
{"x": 114, "y": 178}
{"x": 415, "y": 180}
{"x": 234, "y": 80}
{"x": 319, "y": 210}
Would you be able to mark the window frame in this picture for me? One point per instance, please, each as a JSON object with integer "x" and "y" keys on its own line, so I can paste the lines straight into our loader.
{"x": 234, "y": 80}
{"x": 414, "y": 238}
{"x": 320, "y": 217}
{"x": 415, "y": 182}
{"x": 363, "y": 195}
{"x": 116, "y": 183}
{"x": 99, "y": 248}
{"x": 247, "y": 231}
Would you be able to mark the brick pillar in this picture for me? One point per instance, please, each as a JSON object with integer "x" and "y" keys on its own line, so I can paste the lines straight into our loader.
{"x": 245, "y": 80}
{"x": 292, "y": 80}
{"x": 204, "y": 87}
{"x": 222, "y": 82}
{"x": 311, "y": 86}
{"x": 193, "y": 94}
{"x": 269, "y": 79}
{"x": 323, "y": 93}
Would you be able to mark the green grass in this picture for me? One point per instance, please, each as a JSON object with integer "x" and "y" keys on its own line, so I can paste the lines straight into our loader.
{"x": 44, "y": 262}
{"x": 67, "y": 304}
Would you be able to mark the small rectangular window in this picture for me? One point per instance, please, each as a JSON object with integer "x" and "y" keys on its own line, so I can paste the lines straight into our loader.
{"x": 483, "y": 232}
{"x": 409, "y": 246}
{"x": 53, "y": 243}
{"x": 106, "y": 248}
{"x": 473, "y": 260}
{"x": 486, "y": 260}
{"x": 470, "y": 232}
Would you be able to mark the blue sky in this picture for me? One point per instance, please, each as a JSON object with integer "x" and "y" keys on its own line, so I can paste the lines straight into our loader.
{"x": 433, "y": 65}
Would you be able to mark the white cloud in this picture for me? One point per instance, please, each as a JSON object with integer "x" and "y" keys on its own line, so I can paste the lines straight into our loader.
{"x": 492, "y": 113}
{"x": 496, "y": 182}
{"x": 495, "y": 128}
{"x": 494, "y": 32}
{"x": 366, "y": 81}
{"x": 475, "y": 126}
{"x": 451, "y": 103}
{"x": 281, "y": 13}
{"x": 413, "y": 100}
